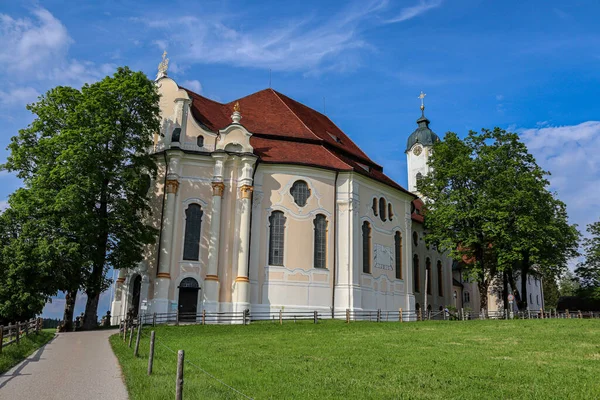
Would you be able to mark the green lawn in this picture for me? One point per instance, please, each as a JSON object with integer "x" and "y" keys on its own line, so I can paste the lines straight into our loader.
{"x": 15, "y": 353}
{"x": 518, "y": 359}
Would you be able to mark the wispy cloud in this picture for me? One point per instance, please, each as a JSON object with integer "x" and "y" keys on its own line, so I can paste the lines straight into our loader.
{"x": 34, "y": 53}
{"x": 193, "y": 85}
{"x": 18, "y": 96}
{"x": 570, "y": 153}
{"x": 304, "y": 43}
{"x": 414, "y": 11}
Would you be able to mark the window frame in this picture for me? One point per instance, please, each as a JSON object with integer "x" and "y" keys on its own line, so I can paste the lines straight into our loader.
{"x": 323, "y": 243}
{"x": 271, "y": 256}
{"x": 416, "y": 274}
{"x": 367, "y": 247}
{"x": 185, "y": 256}
{"x": 398, "y": 254}
{"x": 295, "y": 193}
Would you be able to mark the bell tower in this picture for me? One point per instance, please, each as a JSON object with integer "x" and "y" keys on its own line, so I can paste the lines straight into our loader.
{"x": 418, "y": 149}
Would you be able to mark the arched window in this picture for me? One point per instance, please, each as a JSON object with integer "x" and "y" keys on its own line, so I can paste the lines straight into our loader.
{"x": 530, "y": 298}
{"x": 374, "y": 206}
{"x": 398, "y": 251}
{"x": 200, "y": 141}
{"x": 467, "y": 297}
{"x": 419, "y": 176}
{"x": 415, "y": 238}
{"x": 537, "y": 299}
{"x": 300, "y": 192}
{"x": 440, "y": 279}
{"x": 416, "y": 276}
{"x": 191, "y": 242}
{"x": 390, "y": 213}
{"x": 428, "y": 269}
{"x": 276, "y": 238}
{"x": 382, "y": 207}
{"x": 320, "y": 248}
{"x": 366, "y": 247}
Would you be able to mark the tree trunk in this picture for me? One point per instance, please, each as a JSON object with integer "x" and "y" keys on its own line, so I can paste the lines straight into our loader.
{"x": 505, "y": 290}
{"x": 515, "y": 290}
{"x": 90, "y": 318}
{"x": 524, "y": 271}
{"x": 483, "y": 286}
{"x": 70, "y": 298}
{"x": 94, "y": 284}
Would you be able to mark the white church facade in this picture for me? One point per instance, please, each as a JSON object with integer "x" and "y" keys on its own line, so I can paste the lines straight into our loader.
{"x": 264, "y": 203}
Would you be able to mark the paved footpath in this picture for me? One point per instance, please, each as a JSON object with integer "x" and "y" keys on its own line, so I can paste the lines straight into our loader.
{"x": 76, "y": 365}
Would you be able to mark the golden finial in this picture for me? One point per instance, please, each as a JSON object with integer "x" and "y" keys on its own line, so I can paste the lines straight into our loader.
{"x": 236, "y": 106}
{"x": 422, "y": 97}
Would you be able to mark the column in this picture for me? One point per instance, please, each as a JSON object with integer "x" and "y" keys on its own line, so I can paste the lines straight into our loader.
{"x": 242, "y": 282}
{"x": 211, "y": 282}
{"x": 408, "y": 261}
{"x": 115, "y": 307}
{"x": 241, "y": 294}
{"x": 161, "y": 296}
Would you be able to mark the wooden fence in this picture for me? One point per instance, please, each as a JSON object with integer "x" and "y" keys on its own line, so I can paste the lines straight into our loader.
{"x": 400, "y": 315}
{"x": 12, "y": 334}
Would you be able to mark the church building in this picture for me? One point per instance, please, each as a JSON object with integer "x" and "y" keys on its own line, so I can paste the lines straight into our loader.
{"x": 264, "y": 204}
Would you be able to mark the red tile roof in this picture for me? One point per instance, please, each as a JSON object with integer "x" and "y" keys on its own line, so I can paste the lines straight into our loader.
{"x": 286, "y": 131}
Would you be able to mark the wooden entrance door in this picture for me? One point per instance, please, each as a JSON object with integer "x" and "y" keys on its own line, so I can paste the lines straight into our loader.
{"x": 188, "y": 299}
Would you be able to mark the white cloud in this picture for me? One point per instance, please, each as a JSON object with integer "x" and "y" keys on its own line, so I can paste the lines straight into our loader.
{"x": 305, "y": 43}
{"x": 193, "y": 85}
{"x": 18, "y": 96}
{"x": 414, "y": 11}
{"x": 29, "y": 46}
{"x": 34, "y": 52}
{"x": 570, "y": 153}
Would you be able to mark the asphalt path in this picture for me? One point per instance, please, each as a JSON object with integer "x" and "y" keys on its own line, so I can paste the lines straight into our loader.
{"x": 76, "y": 365}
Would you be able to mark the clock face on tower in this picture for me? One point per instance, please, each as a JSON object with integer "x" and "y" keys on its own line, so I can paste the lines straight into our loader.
{"x": 417, "y": 150}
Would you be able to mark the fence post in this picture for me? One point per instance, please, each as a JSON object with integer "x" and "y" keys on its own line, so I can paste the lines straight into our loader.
{"x": 125, "y": 327}
{"x": 1, "y": 337}
{"x": 137, "y": 341}
{"x": 568, "y": 313}
{"x": 420, "y": 315}
{"x": 315, "y": 316}
{"x": 18, "y": 329}
{"x": 280, "y": 317}
{"x": 400, "y": 314}
{"x": 151, "y": 355}
{"x": 203, "y": 317}
{"x": 347, "y": 315}
{"x": 154, "y": 319}
{"x": 179, "y": 381}
{"x": 177, "y": 318}
{"x": 379, "y": 315}
{"x": 130, "y": 335}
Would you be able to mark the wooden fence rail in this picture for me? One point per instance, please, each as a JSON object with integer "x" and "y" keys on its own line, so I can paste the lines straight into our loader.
{"x": 12, "y": 333}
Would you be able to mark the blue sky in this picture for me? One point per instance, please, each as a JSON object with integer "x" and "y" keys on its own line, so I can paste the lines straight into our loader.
{"x": 531, "y": 67}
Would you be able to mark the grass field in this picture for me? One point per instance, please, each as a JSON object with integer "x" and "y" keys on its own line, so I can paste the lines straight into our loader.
{"x": 518, "y": 359}
{"x": 14, "y": 353}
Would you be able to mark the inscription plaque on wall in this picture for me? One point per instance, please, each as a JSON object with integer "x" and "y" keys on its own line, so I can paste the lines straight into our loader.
{"x": 383, "y": 257}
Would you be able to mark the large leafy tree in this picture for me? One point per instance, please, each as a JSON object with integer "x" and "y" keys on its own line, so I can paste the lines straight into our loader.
{"x": 530, "y": 225}
{"x": 488, "y": 203}
{"x": 456, "y": 211}
{"x": 589, "y": 270}
{"x": 90, "y": 148}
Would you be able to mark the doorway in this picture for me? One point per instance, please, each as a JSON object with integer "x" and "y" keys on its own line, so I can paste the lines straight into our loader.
{"x": 188, "y": 300}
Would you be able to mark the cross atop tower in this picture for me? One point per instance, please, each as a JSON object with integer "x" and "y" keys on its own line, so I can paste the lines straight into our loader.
{"x": 422, "y": 97}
